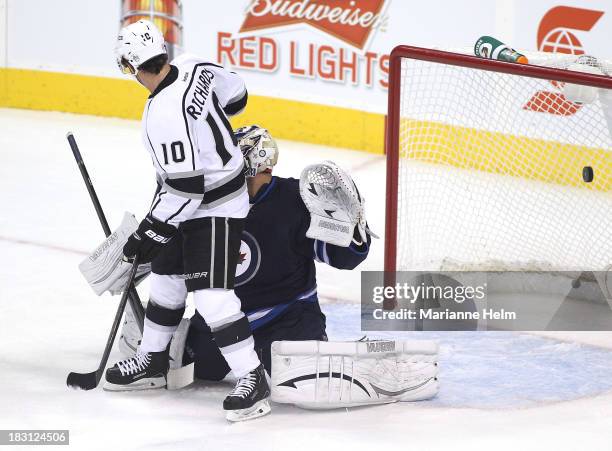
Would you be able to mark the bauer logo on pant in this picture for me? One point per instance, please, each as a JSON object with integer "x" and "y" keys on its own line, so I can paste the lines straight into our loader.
{"x": 196, "y": 275}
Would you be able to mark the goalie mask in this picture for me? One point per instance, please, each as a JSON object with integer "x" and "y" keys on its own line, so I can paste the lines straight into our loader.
{"x": 138, "y": 43}
{"x": 258, "y": 148}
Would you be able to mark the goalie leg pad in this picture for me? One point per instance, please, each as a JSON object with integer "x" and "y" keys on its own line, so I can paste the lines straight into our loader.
{"x": 328, "y": 375}
{"x": 179, "y": 376}
{"x": 130, "y": 336}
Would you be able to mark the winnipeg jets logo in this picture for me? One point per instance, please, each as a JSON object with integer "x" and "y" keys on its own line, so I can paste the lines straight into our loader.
{"x": 249, "y": 259}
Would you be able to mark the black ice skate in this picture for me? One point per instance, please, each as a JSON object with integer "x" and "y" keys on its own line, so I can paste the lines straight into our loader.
{"x": 250, "y": 397}
{"x": 141, "y": 372}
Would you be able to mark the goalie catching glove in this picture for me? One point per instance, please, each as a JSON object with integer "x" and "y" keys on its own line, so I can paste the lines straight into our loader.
{"x": 337, "y": 213}
{"x": 105, "y": 268}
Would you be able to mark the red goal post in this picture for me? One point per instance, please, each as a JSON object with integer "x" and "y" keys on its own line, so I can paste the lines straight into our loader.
{"x": 466, "y": 61}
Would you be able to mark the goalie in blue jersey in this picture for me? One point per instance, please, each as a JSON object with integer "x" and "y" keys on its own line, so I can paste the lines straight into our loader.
{"x": 286, "y": 230}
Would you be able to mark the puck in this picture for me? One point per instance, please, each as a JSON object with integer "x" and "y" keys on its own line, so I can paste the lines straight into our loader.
{"x": 587, "y": 174}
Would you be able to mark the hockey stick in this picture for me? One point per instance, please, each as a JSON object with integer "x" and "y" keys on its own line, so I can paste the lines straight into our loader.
{"x": 134, "y": 299}
{"x": 177, "y": 378}
{"x": 89, "y": 381}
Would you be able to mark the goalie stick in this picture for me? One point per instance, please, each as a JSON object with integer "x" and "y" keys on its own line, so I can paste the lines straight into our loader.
{"x": 89, "y": 381}
{"x": 134, "y": 299}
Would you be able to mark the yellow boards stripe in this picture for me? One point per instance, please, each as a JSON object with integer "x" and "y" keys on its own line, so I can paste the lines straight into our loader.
{"x": 517, "y": 156}
{"x": 73, "y": 93}
{"x": 314, "y": 123}
{"x": 288, "y": 119}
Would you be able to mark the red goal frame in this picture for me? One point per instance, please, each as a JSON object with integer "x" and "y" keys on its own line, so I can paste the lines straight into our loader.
{"x": 393, "y": 116}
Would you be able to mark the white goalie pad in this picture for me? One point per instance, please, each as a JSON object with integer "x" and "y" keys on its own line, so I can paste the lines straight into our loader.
{"x": 329, "y": 375}
{"x": 334, "y": 203}
{"x": 104, "y": 269}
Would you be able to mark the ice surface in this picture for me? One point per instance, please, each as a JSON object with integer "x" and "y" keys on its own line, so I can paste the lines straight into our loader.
{"x": 499, "y": 390}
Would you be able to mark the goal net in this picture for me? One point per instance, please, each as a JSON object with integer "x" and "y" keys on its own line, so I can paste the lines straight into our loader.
{"x": 486, "y": 163}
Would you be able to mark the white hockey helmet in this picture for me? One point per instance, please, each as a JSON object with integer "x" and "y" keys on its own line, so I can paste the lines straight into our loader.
{"x": 258, "y": 148}
{"x": 137, "y": 43}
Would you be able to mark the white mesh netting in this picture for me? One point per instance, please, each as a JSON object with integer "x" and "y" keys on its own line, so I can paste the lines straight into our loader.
{"x": 491, "y": 170}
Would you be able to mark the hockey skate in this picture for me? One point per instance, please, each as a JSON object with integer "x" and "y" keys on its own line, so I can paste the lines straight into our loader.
{"x": 178, "y": 376}
{"x": 145, "y": 370}
{"x": 250, "y": 397}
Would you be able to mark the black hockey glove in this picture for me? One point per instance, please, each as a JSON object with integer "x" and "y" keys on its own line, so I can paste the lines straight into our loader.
{"x": 147, "y": 241}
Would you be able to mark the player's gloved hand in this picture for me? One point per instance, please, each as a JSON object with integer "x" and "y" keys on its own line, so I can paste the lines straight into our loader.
{"x": 147, "y": 241}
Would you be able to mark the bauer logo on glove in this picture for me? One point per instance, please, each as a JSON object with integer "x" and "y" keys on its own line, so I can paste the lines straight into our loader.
{"x": 148, "y": 240}
{"x": 155, "y": 237}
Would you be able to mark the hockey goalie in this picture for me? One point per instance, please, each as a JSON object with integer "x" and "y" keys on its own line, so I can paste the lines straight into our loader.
{"x": 293, "y": 223}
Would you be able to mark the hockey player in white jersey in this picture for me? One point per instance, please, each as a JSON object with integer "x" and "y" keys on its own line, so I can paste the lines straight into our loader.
{"x": 191, "y": 234}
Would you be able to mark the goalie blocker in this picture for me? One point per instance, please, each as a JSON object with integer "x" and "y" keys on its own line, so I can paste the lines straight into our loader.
{"x": 105, "y": 269}
{"x": 328, "y": 375}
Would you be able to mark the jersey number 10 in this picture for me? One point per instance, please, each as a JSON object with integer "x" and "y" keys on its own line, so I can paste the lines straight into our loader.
{"x": 177, "y": 150}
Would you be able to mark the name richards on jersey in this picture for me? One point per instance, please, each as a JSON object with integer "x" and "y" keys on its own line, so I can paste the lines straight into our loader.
{"x": 200, "y": 94}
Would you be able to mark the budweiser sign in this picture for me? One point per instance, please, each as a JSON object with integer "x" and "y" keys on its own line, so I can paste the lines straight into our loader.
{"x": 349, "y": 20}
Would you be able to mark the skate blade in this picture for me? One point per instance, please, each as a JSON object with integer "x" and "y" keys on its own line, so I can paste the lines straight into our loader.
{"x": 259, "y": 409}
{"x": 142, "y": 384}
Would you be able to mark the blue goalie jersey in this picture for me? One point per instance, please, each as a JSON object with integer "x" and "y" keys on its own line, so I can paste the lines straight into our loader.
{"x": 276, "y": 264}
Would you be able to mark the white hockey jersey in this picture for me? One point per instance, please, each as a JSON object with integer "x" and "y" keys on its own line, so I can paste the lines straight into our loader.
{"x": 185, "y": 128}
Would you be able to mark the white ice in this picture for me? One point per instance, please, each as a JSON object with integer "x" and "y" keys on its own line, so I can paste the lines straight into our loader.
{"x": 499, "y": 391}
